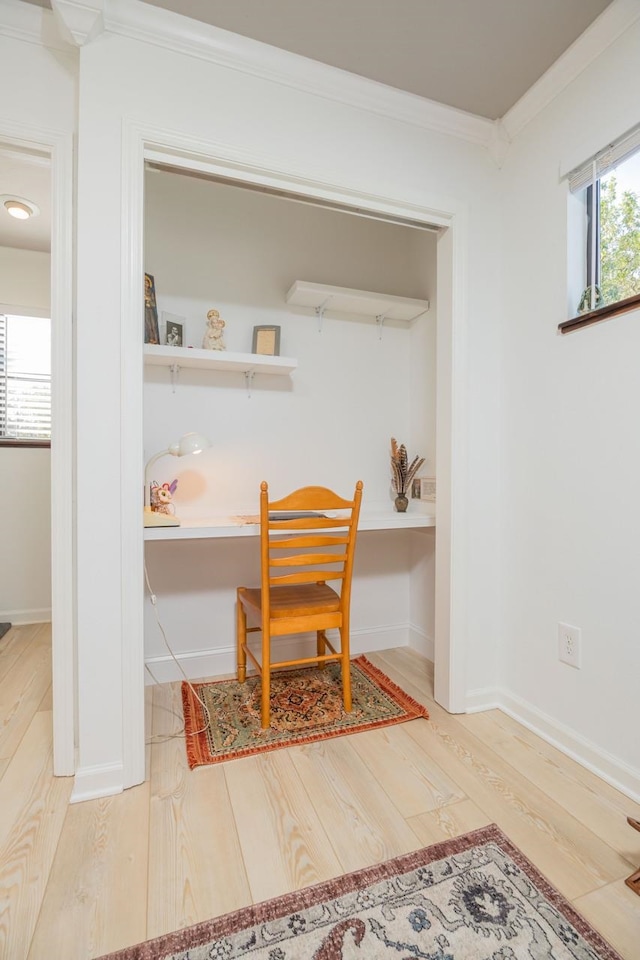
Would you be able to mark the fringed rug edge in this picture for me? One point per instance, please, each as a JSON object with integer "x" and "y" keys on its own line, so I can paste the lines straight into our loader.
{"x": 197, "y": 750}
{"x": 245, "y": 917}
{"x": 387, "y": 684}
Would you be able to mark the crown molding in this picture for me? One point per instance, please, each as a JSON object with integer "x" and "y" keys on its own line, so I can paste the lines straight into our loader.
{"x": 180, "y": 34}
{"x": 32, "y": 24}
{"x": 80, "y": 21}
{"x": 605, "y": 30}
{"x": 76, "y": 22}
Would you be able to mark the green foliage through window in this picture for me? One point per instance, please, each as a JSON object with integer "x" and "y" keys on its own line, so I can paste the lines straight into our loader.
{"x": 619, "y": 241}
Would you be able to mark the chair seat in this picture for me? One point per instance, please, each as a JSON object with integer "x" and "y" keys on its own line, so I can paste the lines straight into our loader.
{"x": 301, "y": 600}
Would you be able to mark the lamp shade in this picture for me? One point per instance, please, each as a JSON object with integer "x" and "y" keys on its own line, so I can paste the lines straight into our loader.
{"x": 189, "y": 443}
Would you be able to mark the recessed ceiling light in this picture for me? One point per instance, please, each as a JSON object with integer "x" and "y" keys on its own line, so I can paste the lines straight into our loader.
{"x": 20, "y": 208}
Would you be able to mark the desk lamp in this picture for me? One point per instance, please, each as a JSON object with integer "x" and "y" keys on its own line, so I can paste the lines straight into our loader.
{"x": 190, "y": 443}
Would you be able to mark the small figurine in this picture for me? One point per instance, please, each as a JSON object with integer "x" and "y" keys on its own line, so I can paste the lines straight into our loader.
{"x": 213, "y": 339}
{"x": 161, "y": 497}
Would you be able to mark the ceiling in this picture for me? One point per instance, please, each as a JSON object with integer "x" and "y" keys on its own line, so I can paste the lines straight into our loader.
{"x": 25, "y": 174}
{"x": 480, "y": 56}
{"x": 476, "y": 55}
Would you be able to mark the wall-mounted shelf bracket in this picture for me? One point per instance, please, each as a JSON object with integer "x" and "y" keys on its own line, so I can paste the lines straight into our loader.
{"x": 248, "y": 376}
{"x": 320, "y": 313}
{"x": 380, "y": 318}
{"x": 174, "y": 369}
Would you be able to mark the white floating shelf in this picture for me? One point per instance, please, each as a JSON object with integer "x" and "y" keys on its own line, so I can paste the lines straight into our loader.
{"x": 162, "y": 356}
{"x": 319, "y": 296}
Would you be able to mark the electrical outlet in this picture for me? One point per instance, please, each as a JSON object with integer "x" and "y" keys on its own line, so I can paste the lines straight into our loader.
{"x": 570, "y": 645}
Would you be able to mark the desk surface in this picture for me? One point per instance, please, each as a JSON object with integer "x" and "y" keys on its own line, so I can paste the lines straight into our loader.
{"x": 212, "y": 527}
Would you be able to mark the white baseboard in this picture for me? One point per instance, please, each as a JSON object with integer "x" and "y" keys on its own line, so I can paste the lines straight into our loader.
{"x": 421, "y": 642}
{"x": 104, "y": 780}
{"x": 610, "y": 768}
{"x": 19, "y": 618}
{"x": 221, "y": 662}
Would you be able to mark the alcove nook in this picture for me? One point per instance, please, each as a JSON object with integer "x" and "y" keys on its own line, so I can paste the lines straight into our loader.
{"x": 354, "y": 296}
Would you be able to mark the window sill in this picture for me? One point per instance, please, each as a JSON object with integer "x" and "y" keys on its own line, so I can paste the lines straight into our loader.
{"x": 603, "y": 313}
{"x": 13, "y": 442}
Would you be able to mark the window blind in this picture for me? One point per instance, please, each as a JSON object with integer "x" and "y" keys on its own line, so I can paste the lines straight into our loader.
{"x": 25, "y": 378}
{"x": 605, "y": 161}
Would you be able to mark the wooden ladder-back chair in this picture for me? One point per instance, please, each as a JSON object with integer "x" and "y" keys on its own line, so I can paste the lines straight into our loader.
{"x": 306, "y": 538}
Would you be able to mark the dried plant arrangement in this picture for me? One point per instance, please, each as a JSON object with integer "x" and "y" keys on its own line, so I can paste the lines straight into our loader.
{"x": 402, "y": 472}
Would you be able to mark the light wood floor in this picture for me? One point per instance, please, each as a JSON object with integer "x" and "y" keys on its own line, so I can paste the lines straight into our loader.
{"x": 78, "y": 881}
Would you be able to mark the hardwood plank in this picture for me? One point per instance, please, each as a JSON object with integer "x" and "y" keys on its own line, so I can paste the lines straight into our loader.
{"x": 22, "y": 690}
{"x": 570, "y": 855}
{"x": 444, "y": 823}
{"x": 283, "y": 846}
{"x": 27, "y": 775}
{"x": 17, "y": 641}
{"x": 364, "y": 825}
{"x": 407, "y": 664}
{"x": 196, "y": 869}
{"x": 614, "y": 911}
{"x": 34, "y": 806}
{"x": 96, "y": 899}
{"x": 546, "y": 828}
{"x": 46, "y": 703}
{"x": 596, "y": 804}
{"x": 410, "y": 778}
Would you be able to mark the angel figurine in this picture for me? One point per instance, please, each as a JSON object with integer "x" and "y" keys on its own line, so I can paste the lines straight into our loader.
{"x": 213, "y": 339}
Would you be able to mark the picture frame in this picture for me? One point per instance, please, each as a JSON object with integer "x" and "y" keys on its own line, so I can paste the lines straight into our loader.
{"x": 427, "y": 488}
{"x": 151, "y": 331}
{"x": 266, "y": 341}
{"x": 174, "y": 327}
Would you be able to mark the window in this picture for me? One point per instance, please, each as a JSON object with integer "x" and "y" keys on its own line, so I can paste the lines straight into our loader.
{"x": 608, "y": 187}
{"x": 25, "y": 380}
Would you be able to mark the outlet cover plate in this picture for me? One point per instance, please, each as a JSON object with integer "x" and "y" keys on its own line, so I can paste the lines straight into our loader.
{"x": 570, "y": 645}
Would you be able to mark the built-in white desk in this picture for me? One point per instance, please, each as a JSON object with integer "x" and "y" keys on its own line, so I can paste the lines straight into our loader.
{"x": 228, "y": 526}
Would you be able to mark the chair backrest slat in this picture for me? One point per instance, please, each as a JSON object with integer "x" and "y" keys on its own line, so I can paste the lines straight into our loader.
{"x": 307, "y": 576}
{"x": 296, "y": 542}
{"x": 308, "y": 523}
{"x": 306, "y": 559}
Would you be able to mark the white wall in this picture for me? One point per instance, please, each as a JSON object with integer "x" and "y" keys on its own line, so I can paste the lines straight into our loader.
{"x": 212, "y": 245}
{"x": 25, "y": 535}
{"x": 25, "y": 278}
{"x": 278, "y": 127}
{"x": 572, "y": 446}
{"x": 25, "y": 519}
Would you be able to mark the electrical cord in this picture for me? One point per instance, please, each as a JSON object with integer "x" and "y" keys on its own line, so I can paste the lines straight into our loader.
{"x": 205, "y": 709}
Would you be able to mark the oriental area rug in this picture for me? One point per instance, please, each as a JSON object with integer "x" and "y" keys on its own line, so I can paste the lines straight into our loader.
{"x": 476, "y": 897}
{"x": 306, "y": 705}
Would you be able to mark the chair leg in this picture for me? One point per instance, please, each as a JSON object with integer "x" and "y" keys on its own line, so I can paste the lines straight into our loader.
{"x": 346, "y": 667}
{"x": 265, "y": 713}
{"x": 241, "y": 639}
{"x": 634, "y": 880}
{"x": 321, "y": 649}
